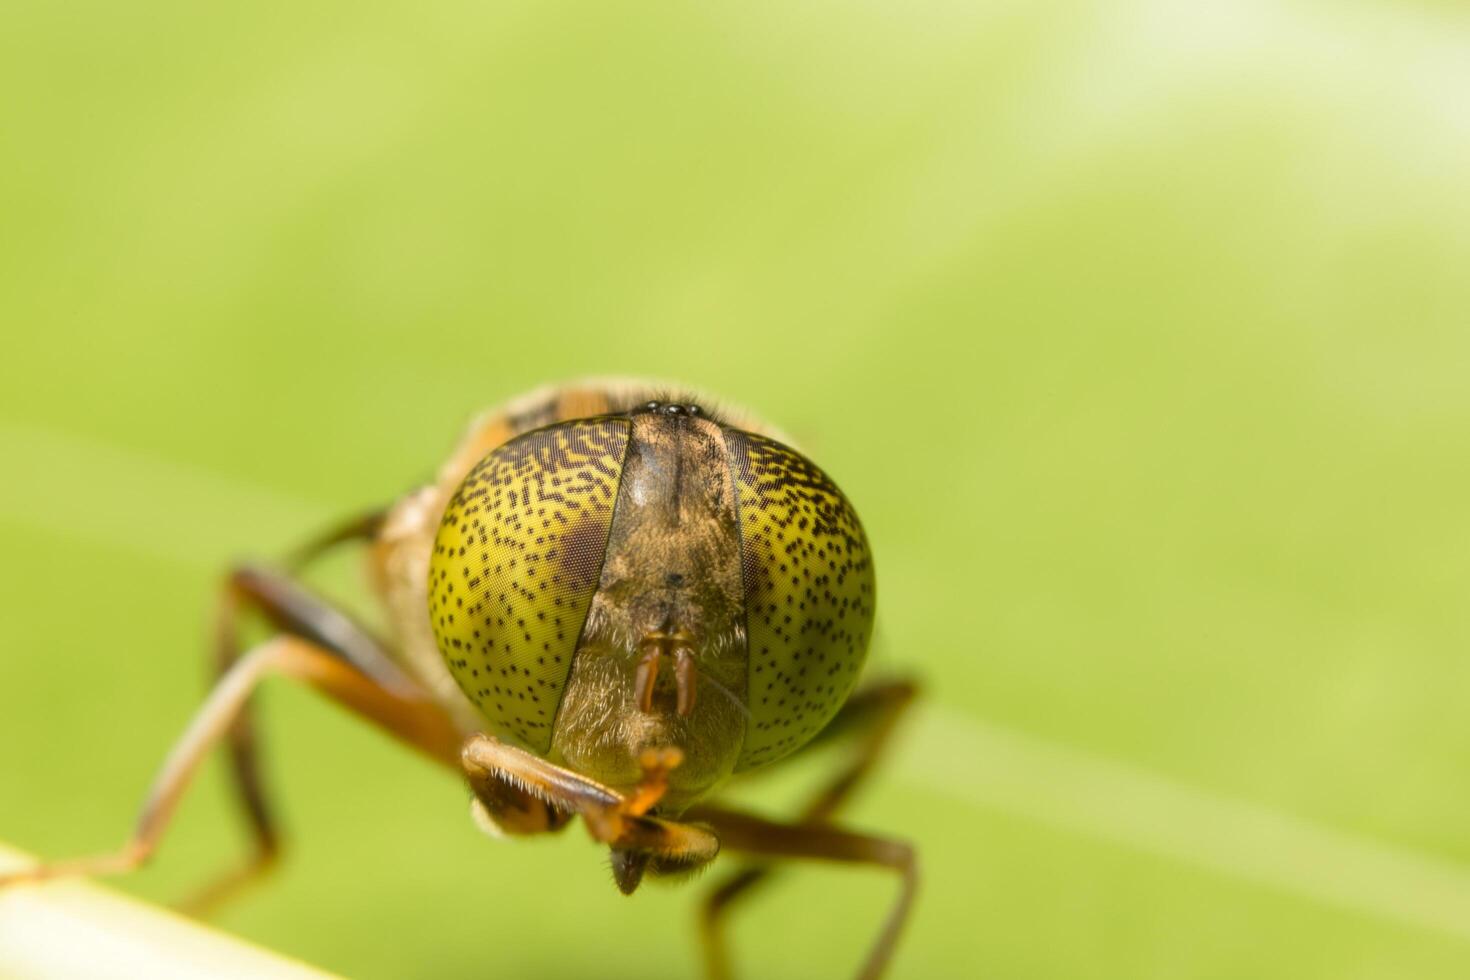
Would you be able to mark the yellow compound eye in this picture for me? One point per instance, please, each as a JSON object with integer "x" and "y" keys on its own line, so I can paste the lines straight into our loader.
{"x": 809, "y": 594}
{"x": 515, "y": 565}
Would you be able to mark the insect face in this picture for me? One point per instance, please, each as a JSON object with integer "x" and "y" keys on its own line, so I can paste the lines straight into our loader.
{"x": 609, "y": 585}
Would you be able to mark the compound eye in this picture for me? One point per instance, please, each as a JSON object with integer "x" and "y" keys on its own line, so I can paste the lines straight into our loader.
{"x": 809, "y": 594}
{"x": 516, "y": 562}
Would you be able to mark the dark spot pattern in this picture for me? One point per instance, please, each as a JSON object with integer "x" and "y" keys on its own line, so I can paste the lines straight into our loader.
{"x": 516, "y": 562}
{"x": 809, "y": 594}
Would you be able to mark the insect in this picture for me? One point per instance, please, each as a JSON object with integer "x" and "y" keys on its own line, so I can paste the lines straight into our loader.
{"x": 609, "y": 604}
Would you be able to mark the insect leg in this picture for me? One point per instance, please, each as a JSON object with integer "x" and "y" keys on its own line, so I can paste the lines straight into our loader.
{"x": 871, "y": 714}
{"x": 638, "y": 841}
{"x": 825, "y": 842}
{"x": 363, "y": 527}
{"x": 418, "y": 722}
{"x": 664, "y": 847}
{"x": 485, "y": 757}
{"x": 292, "y": 609}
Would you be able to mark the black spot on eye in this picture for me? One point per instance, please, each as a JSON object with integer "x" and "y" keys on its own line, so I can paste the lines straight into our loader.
{"x": 580, "y": 557}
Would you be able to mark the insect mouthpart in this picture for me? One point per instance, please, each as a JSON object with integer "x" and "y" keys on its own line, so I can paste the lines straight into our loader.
{"x": 652, "y": 649}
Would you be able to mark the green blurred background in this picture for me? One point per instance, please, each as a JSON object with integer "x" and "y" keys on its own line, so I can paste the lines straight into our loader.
{"x": 1138, "y": 332}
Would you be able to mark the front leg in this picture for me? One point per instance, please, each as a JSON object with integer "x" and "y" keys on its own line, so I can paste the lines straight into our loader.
{"x": 518, "y": 792}
{"x": 411, "y": 717}
{"x": 764, "y": 838}
{"x": 870, "y": 718}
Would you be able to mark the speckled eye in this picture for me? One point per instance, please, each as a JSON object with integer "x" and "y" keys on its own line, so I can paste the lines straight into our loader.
{"x": 515, "y": 565}
{"x": 809, "y": 594}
